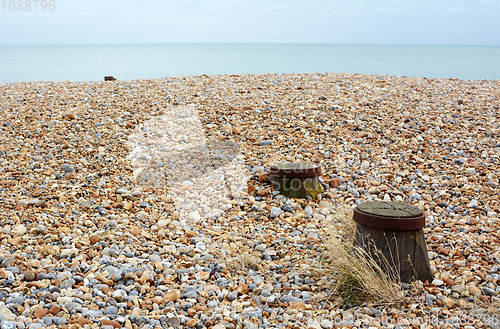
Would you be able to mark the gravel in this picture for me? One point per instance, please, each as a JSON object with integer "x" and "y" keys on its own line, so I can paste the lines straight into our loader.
{"x": 113, "y": 217}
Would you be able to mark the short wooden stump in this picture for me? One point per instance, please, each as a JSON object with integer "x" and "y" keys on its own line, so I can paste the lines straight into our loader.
{"x": 296, "y": 179}
{"x": 395, "y": 229}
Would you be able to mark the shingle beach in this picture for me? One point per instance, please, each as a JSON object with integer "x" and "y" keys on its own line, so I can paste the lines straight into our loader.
{"x": 111, "y": 215}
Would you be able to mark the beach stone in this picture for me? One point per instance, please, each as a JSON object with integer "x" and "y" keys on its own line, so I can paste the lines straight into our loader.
{"x": 437, "y": 282}
{"x": 213, "y": 304}
{"x": 112, "y": 310}
{"x": 443, "y": 251}
{"x": 458, "y": 288}
{"x": 29, "y": 276}
{"x": 154, "y": 258}
{"x": 232, "y": 296}
{"x": 54, "y": 309}
{"x": 275, "y": 212}
{"x": 19, "y": 300}
{"x": 67, "y": 168}
{"x": 91, "y": 313}
{"x": 260, "y": 247}
{"x": 76, "y": 307}
{"x": 289, "y": 299}
{"x": 8, "y": 325}
{"x": 18, "y": 229}
{"x": 40, "y": 313}
{"x": 41, "y": 204}
{"x": 194, "y": 216}
{"x": 7, "y": 314}
{"x": 487, "y": 291}
{"x": 264, "y": 178}
{"x": 174, "y": 321}
{"x": 266, "y": 142}
{"x": 172, "y": 295}
{"x": 475, "y": 291}
{"x": 110, "y": 324}
{"x": 449, "y": 302}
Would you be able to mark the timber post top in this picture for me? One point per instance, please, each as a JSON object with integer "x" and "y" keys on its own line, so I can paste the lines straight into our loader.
{"x": 389, "y": 215}
{"x": 389, "y": 209}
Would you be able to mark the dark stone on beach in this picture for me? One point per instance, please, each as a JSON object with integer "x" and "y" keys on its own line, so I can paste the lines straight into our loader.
{"x": 287, "y": 208}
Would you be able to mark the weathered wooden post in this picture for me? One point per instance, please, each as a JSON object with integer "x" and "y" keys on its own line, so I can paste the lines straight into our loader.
{"x": 296, "y": 179}
{"x": 394, "y": 229}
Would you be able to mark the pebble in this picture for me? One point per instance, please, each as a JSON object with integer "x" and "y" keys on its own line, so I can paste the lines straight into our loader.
{"x": 122, "y": 191}
{"x": 437, "y": 282}
{"x": 89, "y": 240}
{"x": 7, "y": 314}
{"x": 67, "y": 168}
{"x": 8, "y": 325}
{"x": 266, "y": 142}
{"x": 275, "y": 212}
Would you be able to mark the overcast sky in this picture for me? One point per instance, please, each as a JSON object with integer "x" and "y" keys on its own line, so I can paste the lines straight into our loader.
{"x": 448, "y": 22}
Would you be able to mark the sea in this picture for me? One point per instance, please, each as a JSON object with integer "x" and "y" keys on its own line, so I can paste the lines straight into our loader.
{"x": 149, "y": 61}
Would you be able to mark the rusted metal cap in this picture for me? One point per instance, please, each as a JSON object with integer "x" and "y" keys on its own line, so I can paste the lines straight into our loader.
{"x": 295, "y": 169}
{"x": 389, "y": 215}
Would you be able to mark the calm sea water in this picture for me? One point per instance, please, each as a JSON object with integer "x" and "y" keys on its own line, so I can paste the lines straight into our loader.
{"x": 146, "y": 61}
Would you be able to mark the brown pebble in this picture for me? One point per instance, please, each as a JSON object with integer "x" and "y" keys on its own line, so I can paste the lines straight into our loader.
{"x": 115, "y": 324}
{"x": 449, "y": 282}
{"x": 449, "y": 302}
{"x": 263, "y": 192}
{"x": 242, "y": 289}
{"x": 136, "y": 232}
{"x": 236, "y": 130}
{"x": 95, "y": 239}
{"x": 41, "y": 204}
{"x": 191, "y": 323}
{"x": 40, "y": 313}
{"x": 264, "y": 178}
{"x": 172, "y": 295}
{"x": 299, "y": 306}
{"x": 443, "y": 251}
{"x": 82, "y": 321}
{"x": 54, "y": 309}
{"x": 474, "y": 290}
{"x": 335, "y": 182}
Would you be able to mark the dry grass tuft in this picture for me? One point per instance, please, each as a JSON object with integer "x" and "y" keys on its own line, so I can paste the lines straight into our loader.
{"x": 243, "y": 262}
{"x": 487, "y": 309}
{"x": 359, "y": 278}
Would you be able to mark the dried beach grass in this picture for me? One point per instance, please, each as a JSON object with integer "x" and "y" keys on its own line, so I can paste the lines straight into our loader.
{"x": 359, "y": 277}
{"x": 244, "y": 262}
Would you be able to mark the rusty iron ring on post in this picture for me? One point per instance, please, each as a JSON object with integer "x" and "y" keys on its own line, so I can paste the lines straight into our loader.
{"x": 309, "y": 171}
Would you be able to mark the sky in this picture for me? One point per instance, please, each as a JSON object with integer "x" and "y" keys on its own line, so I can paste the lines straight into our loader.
{"x": 433, "y": 22}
